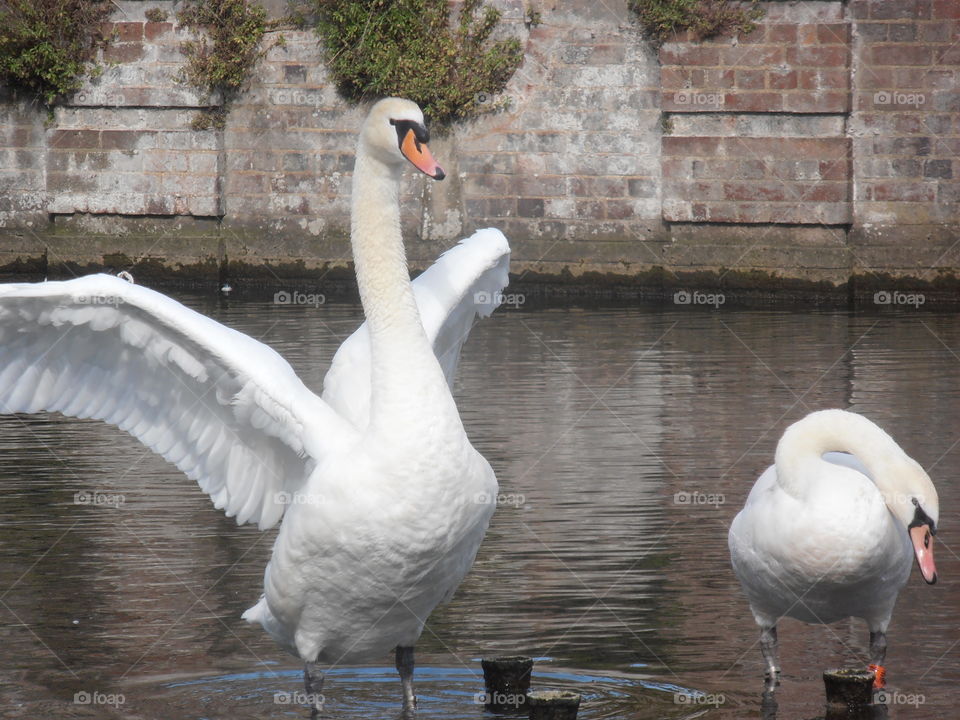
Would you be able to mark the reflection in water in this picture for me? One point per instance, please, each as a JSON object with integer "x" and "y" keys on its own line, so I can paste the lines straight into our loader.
{"x": 624, "y": 439}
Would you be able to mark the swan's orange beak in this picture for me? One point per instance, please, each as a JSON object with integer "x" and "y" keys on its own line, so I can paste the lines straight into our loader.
{"x": 419, "y": 154}
{"x": 923, "y": 548}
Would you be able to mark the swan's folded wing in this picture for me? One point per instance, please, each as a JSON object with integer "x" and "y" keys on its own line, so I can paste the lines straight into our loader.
{"x": 465, "y": 282}
{"x": 224, "y": 408}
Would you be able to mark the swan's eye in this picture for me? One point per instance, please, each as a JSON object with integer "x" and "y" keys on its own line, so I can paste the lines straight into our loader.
{"x": 420, "y": 133}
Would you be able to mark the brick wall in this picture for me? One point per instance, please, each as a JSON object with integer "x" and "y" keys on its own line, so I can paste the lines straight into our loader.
{"x": 820, "y": 146}
{"x": 906, "y": 136}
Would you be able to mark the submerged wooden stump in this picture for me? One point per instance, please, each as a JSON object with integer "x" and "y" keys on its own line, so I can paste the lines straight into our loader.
{"x": 507, "y": 680}
{"x": 553, "y": 705}
{"x": 848, "y": 688}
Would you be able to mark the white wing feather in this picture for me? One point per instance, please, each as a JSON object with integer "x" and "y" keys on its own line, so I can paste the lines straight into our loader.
{"x": 465, "y": 282}
{"x": 224, "y": 408}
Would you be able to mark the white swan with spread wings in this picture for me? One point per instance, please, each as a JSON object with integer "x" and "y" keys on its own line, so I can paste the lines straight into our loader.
{"x": 384, "y": 500}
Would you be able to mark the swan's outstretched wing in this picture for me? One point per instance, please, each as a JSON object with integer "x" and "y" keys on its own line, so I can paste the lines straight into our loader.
{"x": 225, "y": 409}
{"x": 464, "y": 282}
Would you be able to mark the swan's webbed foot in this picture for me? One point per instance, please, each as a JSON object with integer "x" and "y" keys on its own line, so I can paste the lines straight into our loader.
{"x": 405, "y": 668}
{"x": 313, "y": 684}
{"x": 769, "y": 648}
{"x": 878, "y": 653}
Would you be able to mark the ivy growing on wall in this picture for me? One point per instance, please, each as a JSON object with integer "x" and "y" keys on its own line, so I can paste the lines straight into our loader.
{"x": 47, "y": 46}
{"x": 412, "y": 48}
{"x": 228, "y": 45}
{"x": 663, "y": 19}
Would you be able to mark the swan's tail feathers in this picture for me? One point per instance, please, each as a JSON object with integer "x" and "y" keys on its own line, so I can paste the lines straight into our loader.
{"x": 255, "y": 614}
{"x": 260, "y": 614}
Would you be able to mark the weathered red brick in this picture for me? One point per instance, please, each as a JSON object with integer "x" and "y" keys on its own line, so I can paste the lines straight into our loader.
{"x": 946, "y": 10}
{"x": 833, "y": 79}
{"x": 608, "y": 54}
{"x": 833, "y": 33}
{"x": 253, "y": 183}
{"x": 674, "y": 77}
{"x": 911, "y": 77}
{"x": 904, "y": 191}
{"x": 124, "y": 31}
{"x": 123, "y": 52}
{"x": 948, "y": 56}
{"x": 677, "y": 54}
{"x": 782, "y": 33}
{"x": 900, "y": 54}
{"x": 905, "y": 146}
{"x": 592, "y": 209}
{"x": 753, "y": 101}
{"x": 828, "y": 56}
{"x": 826, "y": 192}
{"x": 692, "y": 146}
{"x": 83, "y": 182}
{"x": 751, "y": 56}
{"x": 824, "y": 102}
{"x": 674, "y": 167}
{"x": 153, "y": 30}
{"x": 718, "y": 78}
{"x": 757, "y": 36}
{"x": 838, "y": 169}
{"x": 619, "y": 209}
{"x": 873, "y": 32}
{"x": 75, "y": 139}
{"x": 715, "y": 168}
{"x": 530, "y": 207}
{"x": 807, "y": 35}
{"x": 751, "y": 169}
{"x": 542, "y": 185}
{"x": 875, "y": 77}
{"x": 893, "y": 9}
{"x": 122, "y": 139}
{"x": 487, "y": 185}
{"x": 903, "y": 32}
{"x": 502, "y": 207}
{"x": 936, "y": 32}
{"x": 751, "y": 79}
{"x": 790, "y": 148}
{"x": 476, "y": 207}
{"x": 768, "y": 191}
{"x": 782, "y": 79}
{"x": 723, "y": 212}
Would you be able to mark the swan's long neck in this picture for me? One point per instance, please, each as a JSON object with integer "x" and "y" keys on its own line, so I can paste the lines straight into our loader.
{"x": 404, "y": 368}
{"x": 800, "y": 451}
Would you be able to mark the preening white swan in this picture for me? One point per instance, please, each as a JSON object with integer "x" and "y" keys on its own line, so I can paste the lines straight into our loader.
{"x": 386, "y": 500}
{"x": 830, "y": 530}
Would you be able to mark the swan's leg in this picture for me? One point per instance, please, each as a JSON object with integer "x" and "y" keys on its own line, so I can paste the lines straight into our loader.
{"x": 878, "y": 653}
{"x": 768, "y": 646}
{"x": 405, "y": 668}
{"x": 313, "y": 683}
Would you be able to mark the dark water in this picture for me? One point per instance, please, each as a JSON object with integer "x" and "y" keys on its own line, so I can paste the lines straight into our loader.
{"x": 595, "y": 421}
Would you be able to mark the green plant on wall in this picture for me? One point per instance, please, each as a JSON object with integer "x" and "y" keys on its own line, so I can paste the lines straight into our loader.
{"x": 662, "y": 19}
{"x": 228, "y": 46}
{"x": 47, "y": 46}
{"x": 412, "y": 49}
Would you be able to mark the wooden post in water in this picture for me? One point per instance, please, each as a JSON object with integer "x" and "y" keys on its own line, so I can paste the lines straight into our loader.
{"x": 507, "y": 680}
{"x": 553, "y": 705}
{"x": 848, "y": 690}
